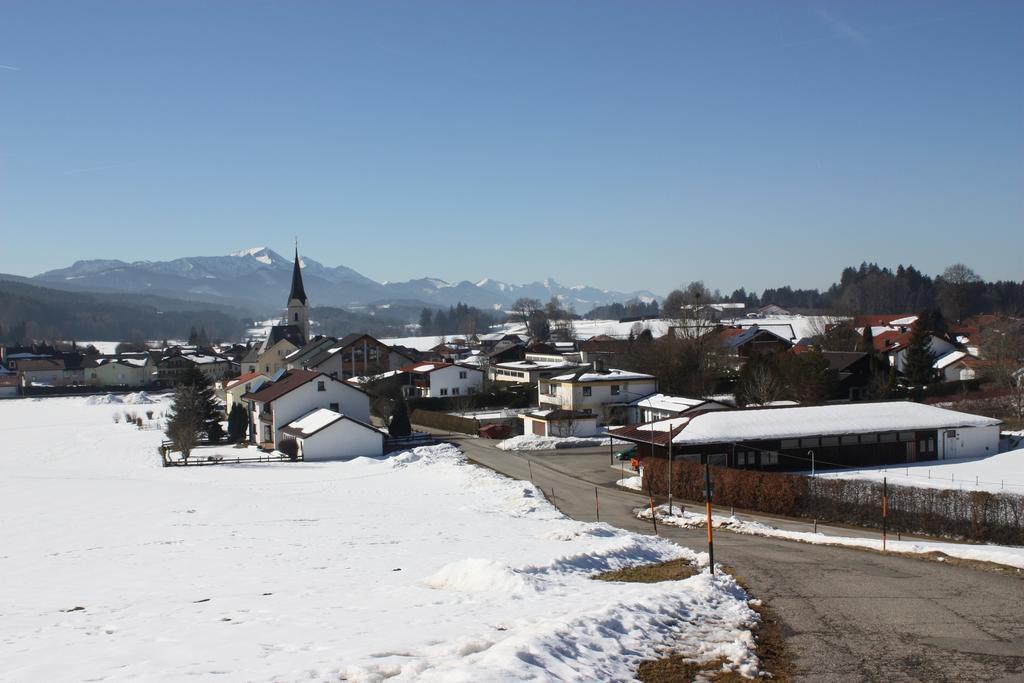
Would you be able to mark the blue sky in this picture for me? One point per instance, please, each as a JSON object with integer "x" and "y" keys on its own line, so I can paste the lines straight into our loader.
{"x": 621, "y": 144}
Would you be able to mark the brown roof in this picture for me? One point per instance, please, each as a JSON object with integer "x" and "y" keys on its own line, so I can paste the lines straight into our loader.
{"x": 293, "y": 379}
{"x": 242, "y": 379}
{"x": 643, "y": 433}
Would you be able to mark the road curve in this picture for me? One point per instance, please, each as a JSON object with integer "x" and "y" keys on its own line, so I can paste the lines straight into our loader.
{"x": 849, "y": 615}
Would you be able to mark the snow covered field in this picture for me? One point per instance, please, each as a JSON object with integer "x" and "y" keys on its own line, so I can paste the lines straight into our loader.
{"x": 1000, "y": 473}
{"x": 1011, "y": 556}
{"x": 419, "y": 566}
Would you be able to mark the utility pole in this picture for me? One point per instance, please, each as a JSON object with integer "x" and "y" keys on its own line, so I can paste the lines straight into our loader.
{"x": 707, "y": 498}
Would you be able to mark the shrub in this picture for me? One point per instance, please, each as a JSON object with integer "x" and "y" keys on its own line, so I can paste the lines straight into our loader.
{"x": 214, "y": 432}
{"x": 138, "y": 422}
{"x": 149, "y": 414}
{"x": 289, "y": 447}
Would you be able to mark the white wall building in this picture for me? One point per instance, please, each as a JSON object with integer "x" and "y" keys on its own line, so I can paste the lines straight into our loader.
{"x": 442, "y": 380}
{"x": 605, "y": 393}
{"x": 296, "y": 393}
{"x": 326, "y": 435}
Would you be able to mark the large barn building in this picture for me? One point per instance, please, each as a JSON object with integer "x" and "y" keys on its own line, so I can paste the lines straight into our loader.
{"x": 845, "y": 435}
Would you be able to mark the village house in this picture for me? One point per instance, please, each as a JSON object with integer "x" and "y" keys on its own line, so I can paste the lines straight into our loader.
{"x": 274, "y": 405}
{"x": 129, "y": 370}
{"x": 324, "y": 434}
{"x": 844, "y": 435}
{"x": 529, "y": 371}
{"x": 356, "y": 355}
{"x": 894, "y": 346}
{"x": 956, "y": 366}
{"x": 744, "y": 342}
{"x": 665, "y": 406}
{"x": 559, "y": 423}
{"x": 232, "y": 390}
{"x": 604, "y": 393}
{"x": 299, "y": 359}
{"x": 177, "y": 359}
{"x": 441, "y": 380}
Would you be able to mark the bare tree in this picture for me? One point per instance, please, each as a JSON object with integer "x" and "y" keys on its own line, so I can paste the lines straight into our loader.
{"x": 957, "y": 285}
{"x": 1002, "y": 348}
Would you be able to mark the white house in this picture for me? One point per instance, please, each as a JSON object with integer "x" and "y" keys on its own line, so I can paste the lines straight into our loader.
{"x": 441, "y": 380}
{"x": 275, "y": 405}
{"x": 665, "y": 406}
{"x": 605, "y": 393}
{"x": 956, "y": 366}
{"x": 559, "y": 423}
{"x": 121, "y": 372}
{"x": 323, "y": 434}
{"x": 530, "y": 371}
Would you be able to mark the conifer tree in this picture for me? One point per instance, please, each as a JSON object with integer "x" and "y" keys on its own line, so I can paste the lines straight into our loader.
{"x": 206, "y": 401}
{"x": 400, "y": 425}
{"x": 918, "y": 368}
{"x": 238, "y": 422}
{"x": 185, "y": 421}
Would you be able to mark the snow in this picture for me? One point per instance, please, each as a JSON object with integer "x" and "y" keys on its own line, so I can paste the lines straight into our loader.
{"x": 107, "y": 348}
{"x": 140, "y": 398}
{"x": 1001, "y": 473}
{"x": 535, "y": 442}
{"x": 943, "y": 361}
{"x": 1011, "y": 556}
{"x": 782, "y": 423}
{"x": 415, "y": 567}
{"x": 610, "y": 375}
{"x": 636, "y": 483}
{"x": 315, "y": 420}
{"x": 668, "y": 402}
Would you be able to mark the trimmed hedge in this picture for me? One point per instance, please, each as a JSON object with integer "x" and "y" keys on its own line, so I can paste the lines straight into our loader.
{"x": 969, "y": 515}
{"x": 451, "y": 423}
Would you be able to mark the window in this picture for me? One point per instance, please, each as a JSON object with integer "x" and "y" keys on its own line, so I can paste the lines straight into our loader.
{"x": 827, "y": 441}
{"x": 588, "y": 391}
{"x": 462, "y": 374}
{"x": 869, "y": 438}
{"x": 455, "y": 391}
{"x": 887, "y": 438}
{"x": 296, "y": 318}
{"x": 321, "y": 386}
{"x": 471, "y": 390}
{"x": 809, "y": 443}
{"x": 615, "y": 390}
{"x": 335, "y": 408}
{"x": 588, "y": 411}
{"x": 790, "y": 443}
{"x": 849, "y": 440}
{"x": 906, "y": 436}
{"x": 770, "y": 458}
{"x": 444, "y": 392}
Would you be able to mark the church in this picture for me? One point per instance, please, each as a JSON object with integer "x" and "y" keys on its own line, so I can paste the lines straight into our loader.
{"x": 292, "y": 335}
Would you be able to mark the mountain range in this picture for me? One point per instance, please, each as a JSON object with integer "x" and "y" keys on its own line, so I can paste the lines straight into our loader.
{"x": 258, "y": 279}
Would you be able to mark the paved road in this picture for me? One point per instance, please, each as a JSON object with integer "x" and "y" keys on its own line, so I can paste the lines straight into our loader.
{"x": 849, "y": 615}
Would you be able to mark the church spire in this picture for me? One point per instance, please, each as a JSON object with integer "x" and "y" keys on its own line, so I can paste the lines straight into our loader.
{"x": 298, "y": 291}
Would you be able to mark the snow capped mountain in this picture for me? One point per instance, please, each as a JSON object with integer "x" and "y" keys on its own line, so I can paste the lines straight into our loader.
{"x": 259, "y": 276}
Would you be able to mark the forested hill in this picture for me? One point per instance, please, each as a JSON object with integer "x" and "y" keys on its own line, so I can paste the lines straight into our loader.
{"x": 29, "y": 312}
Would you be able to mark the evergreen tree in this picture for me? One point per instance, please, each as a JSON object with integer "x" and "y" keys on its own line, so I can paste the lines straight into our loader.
{"x": 426, "y": 322}
{"x": 238, "y": 422}
{"x": 206, "y": 401}
{"x": 193, "y": 336}
{"x": 185, "y": 421}
{"x": 400, "y": 425}
{"x": 867, "y": 340}
{"x": 919, "y": 359}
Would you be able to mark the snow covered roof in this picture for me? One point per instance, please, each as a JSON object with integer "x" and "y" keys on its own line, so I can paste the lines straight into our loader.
{"x": 947, "y": 360}
{"x": 724, "y": 426}
{"x": 611, "y": 375}
{"x": 313, "y": 422}
{"x": 537, "y": 365}
{"x": 676, "y": 404}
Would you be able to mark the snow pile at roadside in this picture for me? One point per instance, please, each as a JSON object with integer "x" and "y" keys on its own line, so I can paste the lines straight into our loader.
{"x": 636, "y": 483}
{"x": 1000, "y": 473}
{"x": 418, "y": 567}
{"x": 534, "y": 442}
{"x": 1011, "y": 556}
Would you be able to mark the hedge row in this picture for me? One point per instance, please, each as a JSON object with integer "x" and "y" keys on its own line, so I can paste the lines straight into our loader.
{"x": 969, "y": 515}
{"x": 511, "y": 398}
{"x": 451, "y": 423}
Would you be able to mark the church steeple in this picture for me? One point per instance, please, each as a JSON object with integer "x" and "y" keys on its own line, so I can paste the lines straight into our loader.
{"x": 298, "y": 291}
{"x": 298, "y": 304}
